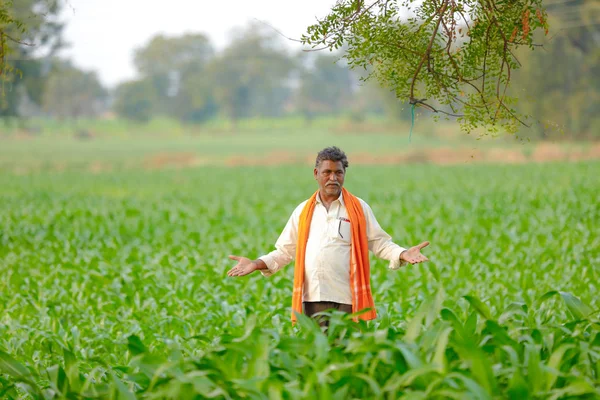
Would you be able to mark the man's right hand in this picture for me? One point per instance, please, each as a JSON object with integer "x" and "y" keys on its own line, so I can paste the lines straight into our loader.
{"x": 244, "y": 266}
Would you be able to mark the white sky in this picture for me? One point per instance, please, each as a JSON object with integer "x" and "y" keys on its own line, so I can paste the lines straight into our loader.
{"x": 103, "y": 33}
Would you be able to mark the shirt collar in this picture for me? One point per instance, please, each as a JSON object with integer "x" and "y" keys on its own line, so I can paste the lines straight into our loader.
{"x": 341, "y": 199}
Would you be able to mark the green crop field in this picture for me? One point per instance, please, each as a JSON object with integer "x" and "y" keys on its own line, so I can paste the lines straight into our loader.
{"x": 114, "y": 286}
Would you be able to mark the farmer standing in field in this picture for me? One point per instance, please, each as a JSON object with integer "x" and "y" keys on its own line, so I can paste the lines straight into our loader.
{"x": 329, "y": 236}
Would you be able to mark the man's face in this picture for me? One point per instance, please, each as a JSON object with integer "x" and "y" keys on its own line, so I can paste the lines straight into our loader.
{"x": 330, "y": 175}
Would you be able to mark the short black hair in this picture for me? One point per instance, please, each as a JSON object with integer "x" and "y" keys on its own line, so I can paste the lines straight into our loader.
{"x": 332, "y": 154}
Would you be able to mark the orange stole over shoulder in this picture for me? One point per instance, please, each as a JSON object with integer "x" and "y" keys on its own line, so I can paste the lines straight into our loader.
{"x": 360, "y": 270}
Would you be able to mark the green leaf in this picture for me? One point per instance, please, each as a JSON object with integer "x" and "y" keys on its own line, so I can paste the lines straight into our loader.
{"x": 375, "y": 388}
{"x": 411, "y": 358}
{"x": 248, "y": 329}
{"x": 439, "y": 357}
{"x": 446, "y": 394}
{"x": 579, "y": 309}
{"x": 535, "y": 375}
{"x": 58, "y": 379}
{"x": 554, "y": 364}
{"x": 122, "y": 391}
{"x": 135, "y": 345}
{"x": 424, "y": 371}
{"x": 448, "y": 315}
{"x": 470, "y": 327}
{"x": 546, "y": 296}
{"x": 474, "y": 388}
{"x": 414, "y": 326}
{"x": 576, "y": 307}
{"x": 517, "y": 387}
{"x": 12, "y": 367}
{"x": 307, "y": 324}
{"x": 500, "y": 334}
{"x": 479, "y": 365}
{"x": 434, "y": 307}
{"x": 72, "y": 371}
{"x": 479, "y": 306}
{"x": 17, "y": 371}
{"x": 578, "y": 388}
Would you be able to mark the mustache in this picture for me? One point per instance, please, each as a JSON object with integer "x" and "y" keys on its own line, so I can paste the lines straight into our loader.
{"x": 332, "y": 184}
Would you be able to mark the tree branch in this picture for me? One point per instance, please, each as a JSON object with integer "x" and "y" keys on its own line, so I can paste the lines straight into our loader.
{"x": 12, "y": 39}
{"x": 428, "y": 51}
{"x": 347, "y": 21}
{"x": 431, "y": 108}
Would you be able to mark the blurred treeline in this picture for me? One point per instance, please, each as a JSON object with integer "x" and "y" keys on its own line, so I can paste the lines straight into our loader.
{"x": 257, "y": 75}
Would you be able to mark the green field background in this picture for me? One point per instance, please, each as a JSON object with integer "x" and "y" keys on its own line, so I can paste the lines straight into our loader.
{"x": 118, "y": 279}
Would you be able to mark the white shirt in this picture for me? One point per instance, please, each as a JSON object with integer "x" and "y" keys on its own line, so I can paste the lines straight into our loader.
{"x": 327, "y": 259}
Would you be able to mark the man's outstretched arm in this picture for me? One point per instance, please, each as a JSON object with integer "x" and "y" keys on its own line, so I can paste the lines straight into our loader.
{"x": 413, "y": 255}
{"x": 284, "y": 253}
{"x": 381, "y": 244}
{"x": 246, "y": 266}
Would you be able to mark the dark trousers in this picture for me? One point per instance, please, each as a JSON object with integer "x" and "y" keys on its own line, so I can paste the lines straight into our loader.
{"x": 313, "y": 307}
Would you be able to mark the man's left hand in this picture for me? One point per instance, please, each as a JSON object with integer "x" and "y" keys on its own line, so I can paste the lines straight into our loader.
{"x": 413, "y": 255}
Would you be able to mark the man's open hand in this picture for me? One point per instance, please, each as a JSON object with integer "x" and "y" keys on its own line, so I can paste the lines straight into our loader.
{"x": 413, "y": 255}
{"x": 244, "y": 266}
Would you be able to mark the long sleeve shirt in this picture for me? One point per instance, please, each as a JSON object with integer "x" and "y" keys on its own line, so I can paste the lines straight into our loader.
{"x": 327, "y": 259}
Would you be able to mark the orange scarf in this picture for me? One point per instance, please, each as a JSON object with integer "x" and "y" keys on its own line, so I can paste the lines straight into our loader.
{"x": 360, "y": 270}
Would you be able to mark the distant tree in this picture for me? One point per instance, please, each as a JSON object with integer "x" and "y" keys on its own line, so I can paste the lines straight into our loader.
{"x": 135, "y": 100}
{"x": 325, "y": 86}
{"x": 458, "y": 52}
{"x": 561, "y": 85}
{"x": 371, "y": 98}
{"x": 195, "y": 101}
{"x": 73, "y": 93}
{"x": 169, "y": 63}
{"x": 251, "y": 77}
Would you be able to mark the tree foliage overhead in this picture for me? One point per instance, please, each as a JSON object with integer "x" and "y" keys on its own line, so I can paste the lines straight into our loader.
{"x": 455, "y": 57}
{"x": 30, "y": 30}
{"x": 8, "y": 24}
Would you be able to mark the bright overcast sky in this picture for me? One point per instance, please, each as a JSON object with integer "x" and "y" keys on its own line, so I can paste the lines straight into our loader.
{"x": 104, "y": 33}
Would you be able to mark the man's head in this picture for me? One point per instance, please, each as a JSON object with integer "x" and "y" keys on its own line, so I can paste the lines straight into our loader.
{"x": 330, "y": 171}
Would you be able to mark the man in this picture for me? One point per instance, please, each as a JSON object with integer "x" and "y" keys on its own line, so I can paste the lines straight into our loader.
{"x": 329, "y": 236}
